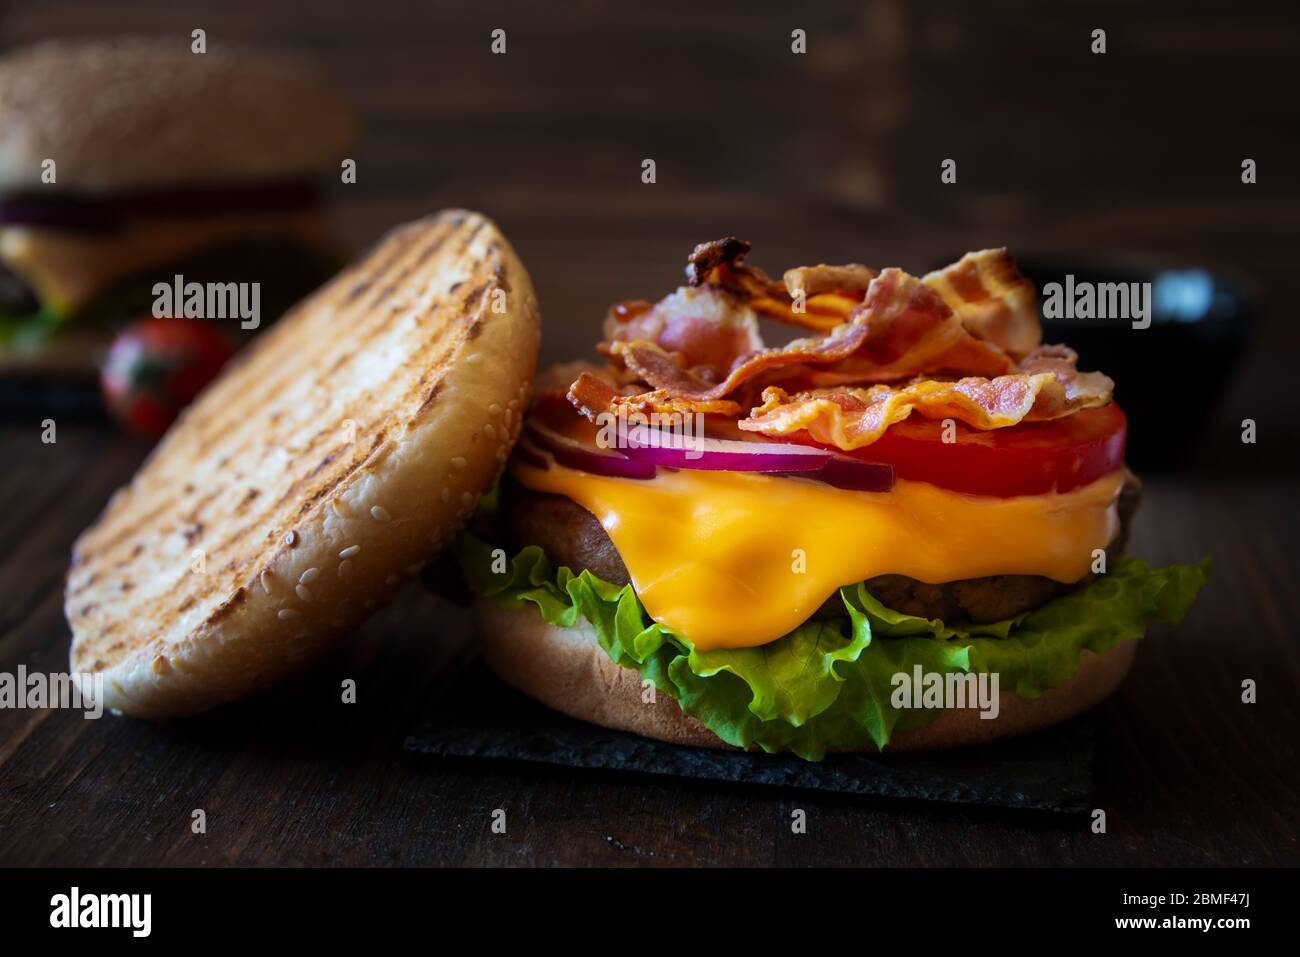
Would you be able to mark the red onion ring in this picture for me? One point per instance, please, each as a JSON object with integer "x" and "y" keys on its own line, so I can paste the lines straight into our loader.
{"x": 648, "y": 452}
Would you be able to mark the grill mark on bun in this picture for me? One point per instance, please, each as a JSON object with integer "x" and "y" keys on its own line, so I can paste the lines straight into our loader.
{"x": 264, "y": 455}
{"x": 249, "y": 497}
{"x": 107, "y": 548}
{"x": 469, "y": 238}
{"x": 230, "y": 419}
{"x": 429, "y": 399}
{"x": 90, "y": 549}
{"x": 387, "y": 283}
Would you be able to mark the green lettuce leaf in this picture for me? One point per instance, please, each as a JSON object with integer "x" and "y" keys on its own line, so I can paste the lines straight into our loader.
{"x": 829, "y": 685}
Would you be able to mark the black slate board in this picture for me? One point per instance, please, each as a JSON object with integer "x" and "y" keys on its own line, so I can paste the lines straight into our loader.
{"x": 480, "y": 717}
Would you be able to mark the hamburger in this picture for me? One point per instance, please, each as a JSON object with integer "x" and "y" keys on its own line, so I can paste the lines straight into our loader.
{"x": 840, "y": 543}
{"x": 128, "y": 162}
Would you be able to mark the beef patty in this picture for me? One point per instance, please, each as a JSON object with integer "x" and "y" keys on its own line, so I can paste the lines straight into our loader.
{"x": 572, "y": 536}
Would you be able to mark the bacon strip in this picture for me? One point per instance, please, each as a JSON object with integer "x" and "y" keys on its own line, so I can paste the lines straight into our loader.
{"x": 704, "y": 329}
{"x": 592, "y": 396}
{"x": 964, "y": 340}
{"x": 902, "y": 328}
{"x": 1081, "y": 388}
{"x": 811, "y": 280}
{"x": 994, "y": 301}
{"x": 720, "y": 265}
{"x": 1047, "y": 387}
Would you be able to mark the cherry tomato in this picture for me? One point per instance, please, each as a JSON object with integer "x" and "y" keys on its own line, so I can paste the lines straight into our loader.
{"x": 156, "y": 367}
{"x": 1026, "y": 459}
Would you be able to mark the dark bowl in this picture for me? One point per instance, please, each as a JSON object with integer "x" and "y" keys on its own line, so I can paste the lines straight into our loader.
{"x": 1170, "y": 376}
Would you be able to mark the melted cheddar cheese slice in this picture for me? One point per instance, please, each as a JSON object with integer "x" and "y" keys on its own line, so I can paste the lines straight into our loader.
{"x": 736, "y": 560}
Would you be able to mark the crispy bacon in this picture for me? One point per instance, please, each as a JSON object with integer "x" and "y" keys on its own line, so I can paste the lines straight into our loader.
{"x": 1082, "y": 389}
{"x": 964, "y": 341}
{"x": 1047, "y": 387}
{"x": 660, "y": 401}
{"x": 720, "y": 265}
{"x": 811, "y": 280}
{"x": 705, "y": 330}
{"x": 655, "y": 366}
{"x": 994, "y": 301}
{"x": 901, "y": 328}
{"x": 591, "y": 396}
{"x": 705, "y": 258}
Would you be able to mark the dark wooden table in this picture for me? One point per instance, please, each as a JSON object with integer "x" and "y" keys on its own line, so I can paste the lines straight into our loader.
{"x": 831, "y": 156}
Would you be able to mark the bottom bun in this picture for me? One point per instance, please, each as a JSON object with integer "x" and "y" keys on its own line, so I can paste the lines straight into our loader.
{"x": 565, "y": 669}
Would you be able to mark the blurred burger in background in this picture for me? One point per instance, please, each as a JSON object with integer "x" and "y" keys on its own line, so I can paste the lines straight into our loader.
{"x": 128, "y": 162}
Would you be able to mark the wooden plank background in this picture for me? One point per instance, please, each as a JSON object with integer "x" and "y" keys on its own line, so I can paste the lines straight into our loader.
{"x": 829, "y": 156}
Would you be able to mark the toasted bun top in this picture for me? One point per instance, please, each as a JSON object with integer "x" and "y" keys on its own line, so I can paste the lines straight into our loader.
{"x": 136, "y": 113}
{"x": 344, "y": 447}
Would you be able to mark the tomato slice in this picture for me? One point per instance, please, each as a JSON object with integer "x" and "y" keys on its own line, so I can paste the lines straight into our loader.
{"x": 1026, "y": 459}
